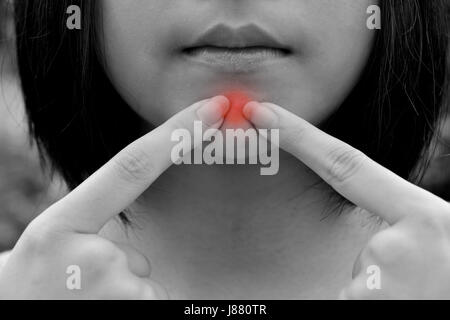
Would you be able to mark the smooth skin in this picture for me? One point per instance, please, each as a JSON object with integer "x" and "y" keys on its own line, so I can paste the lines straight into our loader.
{"x": 413, "y": 254}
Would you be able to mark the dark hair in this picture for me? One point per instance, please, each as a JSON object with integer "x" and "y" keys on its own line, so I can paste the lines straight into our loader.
{"x": 79, "y": 121}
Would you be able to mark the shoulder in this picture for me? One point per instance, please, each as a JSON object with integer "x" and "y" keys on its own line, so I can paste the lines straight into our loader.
{"x": 3, "y": 258}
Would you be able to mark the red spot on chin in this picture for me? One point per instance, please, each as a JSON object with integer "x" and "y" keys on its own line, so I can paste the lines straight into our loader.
{"x": 238, "y": 99}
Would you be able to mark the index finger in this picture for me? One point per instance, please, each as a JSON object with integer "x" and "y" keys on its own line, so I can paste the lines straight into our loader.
{"x": 349, "y": 171}
{"x": 113, "y": 187}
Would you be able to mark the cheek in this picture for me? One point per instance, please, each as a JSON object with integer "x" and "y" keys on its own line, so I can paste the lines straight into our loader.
{"x": 332, "y": 63}
{"x": 137, "y": 60}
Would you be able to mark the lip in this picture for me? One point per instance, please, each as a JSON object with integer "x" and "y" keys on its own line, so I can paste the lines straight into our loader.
{"x": 242, "y": 49}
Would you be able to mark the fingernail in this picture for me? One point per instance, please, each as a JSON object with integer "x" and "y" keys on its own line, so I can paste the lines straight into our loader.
{"x": 260, "y": 115}
{"x": 213, "y": 110}
{"x": 248, "y": 109}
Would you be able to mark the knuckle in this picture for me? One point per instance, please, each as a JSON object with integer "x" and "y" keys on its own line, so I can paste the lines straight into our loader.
{"x": 98, "y": 255}
{"x": 430, "y": 221}
{"x": 376, "y": 246}
{"x": 389, "y": 247}
{"x": 35, "y": 242}
{"x": 435, "y": 223}
{"x": 38, "y": 237}
{"x": 134, "y": 164}
{"x": 344, "y": 162}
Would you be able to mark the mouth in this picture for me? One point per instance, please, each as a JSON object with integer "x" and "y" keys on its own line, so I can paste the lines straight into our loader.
{"x": 245, "y": 49}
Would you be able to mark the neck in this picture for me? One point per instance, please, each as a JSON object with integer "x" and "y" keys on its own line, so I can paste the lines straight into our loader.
{"x": 228, "y": 224}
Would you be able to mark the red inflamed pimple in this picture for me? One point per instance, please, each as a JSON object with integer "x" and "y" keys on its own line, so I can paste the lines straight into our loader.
{"x": 238, "y": 99}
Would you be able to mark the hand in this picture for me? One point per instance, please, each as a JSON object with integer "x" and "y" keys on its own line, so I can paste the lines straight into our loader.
{"x": 413, "y": 254}
{"x": 66, "y": 234}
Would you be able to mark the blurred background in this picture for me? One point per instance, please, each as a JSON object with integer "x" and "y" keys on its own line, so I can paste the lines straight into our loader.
{"x": 26, "y": 190}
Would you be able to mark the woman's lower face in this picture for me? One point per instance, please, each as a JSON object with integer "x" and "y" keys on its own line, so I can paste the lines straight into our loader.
{"x": 304, "y": 55}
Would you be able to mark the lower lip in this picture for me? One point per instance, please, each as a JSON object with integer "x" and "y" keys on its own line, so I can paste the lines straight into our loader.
{"x": 235, "y": 60}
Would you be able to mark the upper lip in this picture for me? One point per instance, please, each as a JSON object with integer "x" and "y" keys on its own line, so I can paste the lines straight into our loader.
{"x": 250, "y": 35}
